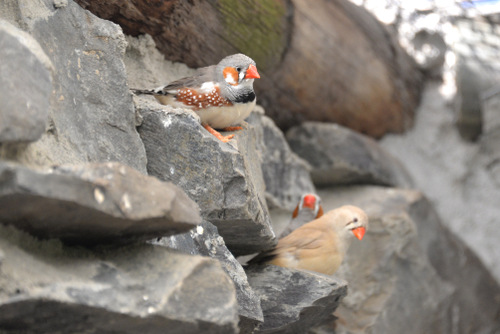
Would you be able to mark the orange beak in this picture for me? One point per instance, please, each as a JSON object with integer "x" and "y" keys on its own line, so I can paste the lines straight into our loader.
{"x": 309, "y": 201}
{"x": 359, "y": 232}
{"x": 252, "y": 72}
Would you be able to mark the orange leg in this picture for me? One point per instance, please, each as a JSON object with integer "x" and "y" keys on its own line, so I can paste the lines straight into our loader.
{"x": 217, "y": 134}
{"x": 233, "y": 128}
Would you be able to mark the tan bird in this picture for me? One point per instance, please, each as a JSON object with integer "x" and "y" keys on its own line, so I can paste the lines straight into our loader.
{"x": 319, "y": 245}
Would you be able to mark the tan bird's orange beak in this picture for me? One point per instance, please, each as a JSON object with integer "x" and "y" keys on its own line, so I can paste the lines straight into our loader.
{"x": 359, "y": 232}
{"x": 252, "y": 72}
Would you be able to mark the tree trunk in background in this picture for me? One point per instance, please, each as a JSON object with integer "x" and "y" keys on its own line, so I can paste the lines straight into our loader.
{"x": 319, "y": 60}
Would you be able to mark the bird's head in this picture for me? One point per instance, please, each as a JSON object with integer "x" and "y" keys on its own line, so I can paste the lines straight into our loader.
{"x": 309, "y": 204}
{"x": 350, "y": 221}
{"x": 237, "y": 71}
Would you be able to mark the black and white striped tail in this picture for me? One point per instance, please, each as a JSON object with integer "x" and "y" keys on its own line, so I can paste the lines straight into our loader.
{"x": 156, "y": 91}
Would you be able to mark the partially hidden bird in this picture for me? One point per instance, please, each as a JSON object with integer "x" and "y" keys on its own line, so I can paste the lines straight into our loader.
{"x": 308, "y": 209}
{"x": 222, "y": 95}
{"x": 319, "y": 245}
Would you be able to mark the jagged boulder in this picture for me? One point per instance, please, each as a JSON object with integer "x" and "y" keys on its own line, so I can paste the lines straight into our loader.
{"x": 341, "y": 156}
{"x": 205, "y": 240}
{"x": 91, "y": 115}
{"x": 50, "y": 288}
{"x": 224, "y": 179}
{"x": 294, "y": 300}
{"x": 93, "y": 203}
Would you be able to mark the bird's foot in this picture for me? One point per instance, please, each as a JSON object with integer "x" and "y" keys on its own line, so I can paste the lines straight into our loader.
{"x": 233, "y": 128}
{"x": 217, "y": 134}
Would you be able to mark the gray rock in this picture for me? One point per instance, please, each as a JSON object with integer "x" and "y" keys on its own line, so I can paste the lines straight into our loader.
{"x": 406, "y": 260}
{"x": 225, "y": 179}
{"x": 91, "y": 115}
{"x": 294, "y": 300}
{"x": 134, "y": 289}
{"x": 93, "y": 203}
{"x": 287, "y": 177}
{"x": 280, "y": 219}
{"x": 491, "y": 105}
{"x": 477, "y": 73}
{"x": 341, "y": 156}
{"x": 25, "y": 78}
{"x": 205, "y": 240}
{"x": 147, "y": 68}
{"x": 460, "y": 178}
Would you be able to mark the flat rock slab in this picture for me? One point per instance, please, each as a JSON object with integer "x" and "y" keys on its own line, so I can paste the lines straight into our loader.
{"x": 205, "y": 240}
{"x": 92, "y": 203}
{"x": 341, "y": 156}
{"x": 26, "y": 81}
{"x": 132, "y": 289}
{"x": 293, "y": 300}
{"x": 224, "y": 179}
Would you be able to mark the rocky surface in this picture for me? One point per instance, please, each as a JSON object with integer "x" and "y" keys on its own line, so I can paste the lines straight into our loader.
{"x": 24, "y": 116}
{"x": 460, "y": 177}
{"x": 63, "y": 185}
{"x": 408, "y": 259}
{"x": 225, "y": 179}
{"x": 286, "y": 175}
{"x": 340, "y": 156}
{"x": 93, "y": 203}
{"x": 132, "y": 289}
{"x": 90, "y": 119}
{"x": 205, "y": 240}
{"x": 147, "y": 67}
{"x": 293, "y": 300}
{"x": 477, "y": 73}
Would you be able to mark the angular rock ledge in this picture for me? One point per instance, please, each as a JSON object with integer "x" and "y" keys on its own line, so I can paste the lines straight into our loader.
{"x": 294, "y": 300}
{"x": 339, "y": 156}
{"x": 51, "y": 288}
{"x": 225, "y": 179}
{"x": 93, "y": 203}
{"x": 205, "y": 240}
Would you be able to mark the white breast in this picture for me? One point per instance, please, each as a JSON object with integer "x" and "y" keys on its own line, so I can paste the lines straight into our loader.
{"x": 222, "y": 117}
{"x": 216, "y": 117}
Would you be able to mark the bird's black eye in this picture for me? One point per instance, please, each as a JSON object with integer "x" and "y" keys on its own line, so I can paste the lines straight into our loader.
{"x": 238, "y": 69}
{"x": 355, "y": 220}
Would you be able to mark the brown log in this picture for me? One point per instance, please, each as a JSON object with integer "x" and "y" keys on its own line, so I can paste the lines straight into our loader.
{"x": 319, "y": 60}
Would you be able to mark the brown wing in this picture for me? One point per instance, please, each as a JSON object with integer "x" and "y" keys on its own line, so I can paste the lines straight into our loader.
{"x": 306, "y": 238}
{"x": 303, "y": 238}
{"x": 313, "y": 249}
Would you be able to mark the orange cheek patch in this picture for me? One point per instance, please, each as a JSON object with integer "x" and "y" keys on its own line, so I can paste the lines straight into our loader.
{"x": 192, "y": 98}
{"x": 230, "y": 75}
